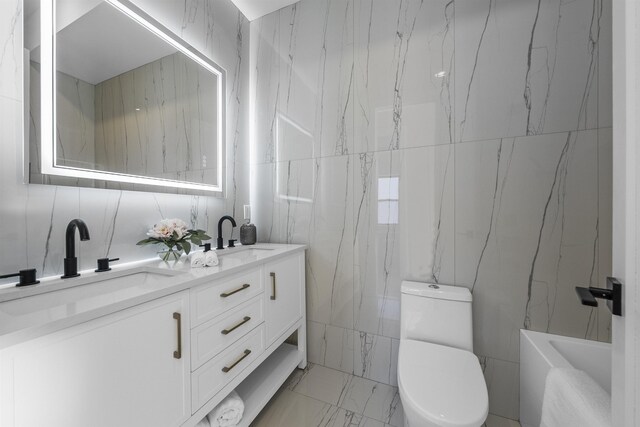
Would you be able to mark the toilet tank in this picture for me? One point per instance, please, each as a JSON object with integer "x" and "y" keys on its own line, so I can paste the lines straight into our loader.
{"x": 436, "y": 313}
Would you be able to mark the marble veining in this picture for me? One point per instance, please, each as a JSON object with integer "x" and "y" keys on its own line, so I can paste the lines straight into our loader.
{"x": 491, "y": 118}
{"x": 493, "y": 212}
{"x": 34, "y": 216}
{"x": 550, "y": 76}
{"x": 235, "y": 100}
{"x": 11, "y": 49}
{"x": 325, "y": 397}
{"x": 474, "y": 69}
{"x": 555, "y": 186}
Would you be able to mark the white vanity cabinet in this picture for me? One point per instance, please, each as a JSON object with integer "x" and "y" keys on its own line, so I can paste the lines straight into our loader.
{"x": 284, "y": 294}
{"x": 130, "y": 368}
{"x": 168, "y": 361}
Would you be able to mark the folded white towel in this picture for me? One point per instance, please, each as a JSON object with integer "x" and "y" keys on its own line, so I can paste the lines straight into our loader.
{"x": 228, "y": 412}
{"x": 211, "y": 259}
{"x": 198, "y": 260}
{"x": 204, "y": 423}
{"x": 573, "y": 399}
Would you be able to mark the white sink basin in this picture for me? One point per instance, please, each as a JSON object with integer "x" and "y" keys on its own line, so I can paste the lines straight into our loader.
{"x": 57, "y": 299}
{"x": 242, "y": 255}
{"x": 80, "y": 294}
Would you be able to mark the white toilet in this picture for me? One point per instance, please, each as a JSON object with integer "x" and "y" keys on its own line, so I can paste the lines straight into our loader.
{"x": 440, "y": 379}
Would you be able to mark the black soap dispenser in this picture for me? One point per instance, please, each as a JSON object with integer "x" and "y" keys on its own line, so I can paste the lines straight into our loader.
{"x": 248, "y": 232}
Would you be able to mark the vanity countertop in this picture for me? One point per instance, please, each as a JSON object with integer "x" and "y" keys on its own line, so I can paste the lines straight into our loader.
{"x": 55, "y": 304}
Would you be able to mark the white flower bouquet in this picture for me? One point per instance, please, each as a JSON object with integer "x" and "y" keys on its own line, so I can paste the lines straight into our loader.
{"x": 176, "y": 236}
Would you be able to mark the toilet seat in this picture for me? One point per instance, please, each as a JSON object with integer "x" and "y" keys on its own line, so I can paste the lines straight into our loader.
{"x": 440, "y": 385}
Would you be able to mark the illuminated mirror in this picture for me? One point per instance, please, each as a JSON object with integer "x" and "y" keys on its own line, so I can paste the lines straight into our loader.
{"x": 116, "y": 100}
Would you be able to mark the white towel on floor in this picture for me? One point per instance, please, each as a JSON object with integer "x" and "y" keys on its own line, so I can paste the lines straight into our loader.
{"x": 228, "y": 412}
{"x": 573, "y": 399}
{"x": 211, "y": 259}
{"x": 198, "y": 260}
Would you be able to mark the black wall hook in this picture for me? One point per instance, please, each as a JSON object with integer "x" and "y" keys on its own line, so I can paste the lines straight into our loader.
{"x": 613, "y": 295}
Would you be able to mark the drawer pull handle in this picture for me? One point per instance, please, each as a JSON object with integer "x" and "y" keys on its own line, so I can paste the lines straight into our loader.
{"x": 273, "y": 285}
{"x": 242, "y": 322}
{"x": 228, "y": 294}
{"x": 228, "y": 368}
{"x": 178, "y": 353}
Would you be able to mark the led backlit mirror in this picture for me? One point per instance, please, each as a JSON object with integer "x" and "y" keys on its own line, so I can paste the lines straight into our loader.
{"x": 116, "y": 100}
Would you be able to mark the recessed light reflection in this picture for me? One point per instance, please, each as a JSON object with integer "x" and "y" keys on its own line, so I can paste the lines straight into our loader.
{"x": 441, "y": 74}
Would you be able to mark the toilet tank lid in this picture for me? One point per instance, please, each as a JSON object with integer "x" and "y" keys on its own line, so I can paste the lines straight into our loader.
{"x": 436, "y": 290}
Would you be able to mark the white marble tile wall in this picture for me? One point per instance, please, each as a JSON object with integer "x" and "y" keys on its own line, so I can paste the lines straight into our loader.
{"x": 76, "y": 131}
{"x": 33, "y": 218}
{"x": 130, "y": 112}
{"x": 466, "y": 143}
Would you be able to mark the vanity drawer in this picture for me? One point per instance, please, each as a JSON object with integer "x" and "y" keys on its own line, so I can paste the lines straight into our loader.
{"x": 215, "y": 374}
{"x": 209, "y": 301}
{"x": 212, "y": 337}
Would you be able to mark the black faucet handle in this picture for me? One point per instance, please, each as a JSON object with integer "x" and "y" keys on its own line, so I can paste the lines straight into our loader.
{"x": 206, "y": 246}
{"x": 232, "y": 243}
{"x": 27, "y": 277}
{"x": 103, "y": 264}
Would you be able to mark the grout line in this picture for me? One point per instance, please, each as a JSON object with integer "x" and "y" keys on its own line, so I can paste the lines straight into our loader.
{"x": 576, "y": 131}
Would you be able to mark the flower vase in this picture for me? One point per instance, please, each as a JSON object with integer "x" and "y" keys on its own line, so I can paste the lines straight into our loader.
{"x": 170, "y": 255}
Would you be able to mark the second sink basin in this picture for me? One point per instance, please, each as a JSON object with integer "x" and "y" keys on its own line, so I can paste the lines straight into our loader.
{"x": 242, "y": 255}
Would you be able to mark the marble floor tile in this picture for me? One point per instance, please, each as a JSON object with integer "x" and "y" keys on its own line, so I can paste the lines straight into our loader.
{"x": 296, "y": 376}
{"x": 375, "y": 400}
{"x": 321, "y": 383}
{"x": 304, "y": 399}
{"x": 291, "y": 409}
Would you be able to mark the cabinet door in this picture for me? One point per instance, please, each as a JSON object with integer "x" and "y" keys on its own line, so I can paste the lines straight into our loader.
{"x": 123, "y": 369}
{"x": 284, "y": 284}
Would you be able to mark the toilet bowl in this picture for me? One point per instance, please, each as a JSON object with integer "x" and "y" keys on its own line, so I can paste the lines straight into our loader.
{"x": 440, "y": 380}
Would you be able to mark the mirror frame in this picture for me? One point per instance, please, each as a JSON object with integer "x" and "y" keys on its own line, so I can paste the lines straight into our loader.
{"x": 48, "y": 103}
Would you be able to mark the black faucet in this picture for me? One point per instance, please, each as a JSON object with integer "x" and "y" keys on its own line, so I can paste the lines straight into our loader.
{"x": 70, "y": 261}
{"x": 220, "y": 239}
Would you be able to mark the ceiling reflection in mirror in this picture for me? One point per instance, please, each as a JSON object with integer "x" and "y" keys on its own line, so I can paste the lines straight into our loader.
{"x": 129, "y": 102}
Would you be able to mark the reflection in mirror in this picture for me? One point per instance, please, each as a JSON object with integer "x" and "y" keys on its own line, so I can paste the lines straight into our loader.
{"x": 133, "y": 103}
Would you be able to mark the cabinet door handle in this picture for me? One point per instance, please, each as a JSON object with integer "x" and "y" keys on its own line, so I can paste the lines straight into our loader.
{"x": 273, "y": 285}
{"x": 178, "y": 353}
{"x": 242, "y": 288}
{"x": 228, "y": 368}
{"x": 233, "y": 328}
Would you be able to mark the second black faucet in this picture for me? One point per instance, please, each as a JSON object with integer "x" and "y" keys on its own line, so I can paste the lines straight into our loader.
{"x": 71, "y": 261}
{"x": 220, "y": 240}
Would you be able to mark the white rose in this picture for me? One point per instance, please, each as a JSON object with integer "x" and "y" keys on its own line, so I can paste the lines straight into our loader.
{"x": 179, "y": 227}
{"x": 160, "y": 231}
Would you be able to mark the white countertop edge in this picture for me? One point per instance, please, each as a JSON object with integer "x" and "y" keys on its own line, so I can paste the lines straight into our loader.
{"x": 183, "y": 282}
